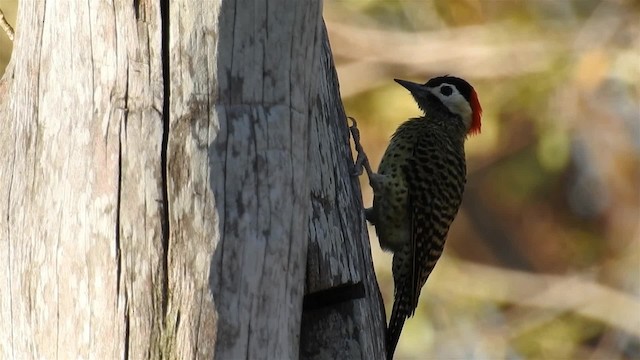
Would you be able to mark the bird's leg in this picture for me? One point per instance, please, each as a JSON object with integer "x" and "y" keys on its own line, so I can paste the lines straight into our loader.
{"x": 376, "y": 181}
{"x": 361, "y": 159}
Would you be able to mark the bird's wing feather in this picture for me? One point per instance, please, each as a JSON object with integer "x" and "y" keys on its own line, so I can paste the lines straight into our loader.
{"x": 413, "y": 293}
{"x": 419, "y": 212}
{"x": 414, "y": 259}
{"x": 423, "y": 182}
{"x": 435, "y": 193}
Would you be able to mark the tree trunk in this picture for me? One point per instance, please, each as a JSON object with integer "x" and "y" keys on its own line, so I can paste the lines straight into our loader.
{"x": 156, "y": 161}
{"x": 348, "y": 322}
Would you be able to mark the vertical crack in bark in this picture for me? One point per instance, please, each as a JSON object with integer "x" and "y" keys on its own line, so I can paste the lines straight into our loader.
{"x": 136, "y": 8}
{"x": 127, "y": 327}
{"x": 118, "y": 241}
{"x": 166, "y": 80}
{"x": 9, "y": 262}
{"x": 119, "y": 247}
{"x": 123, "y": 124}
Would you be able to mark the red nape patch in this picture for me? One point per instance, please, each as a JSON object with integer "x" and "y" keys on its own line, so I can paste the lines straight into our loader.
{"x": 476, "y": 115}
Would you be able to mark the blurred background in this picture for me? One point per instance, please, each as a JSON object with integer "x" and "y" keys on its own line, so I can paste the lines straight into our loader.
{"x": 8, "y": 8}
{"x": 543, "y": 260}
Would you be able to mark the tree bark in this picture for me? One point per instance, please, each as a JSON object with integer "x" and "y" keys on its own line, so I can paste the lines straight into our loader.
{"x": 83, "y": 246}
{"x": 167, "y": 169}
{"x": 339, "y": 257}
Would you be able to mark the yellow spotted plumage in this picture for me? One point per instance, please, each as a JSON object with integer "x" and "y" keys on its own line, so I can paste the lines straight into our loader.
{"x": 419, "y": 186}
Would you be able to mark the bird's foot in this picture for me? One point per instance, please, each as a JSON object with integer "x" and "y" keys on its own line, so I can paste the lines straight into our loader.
{"x": 362, "y": 162}
{"x": 377, "y": 182}
{"x": 370, "y": 215}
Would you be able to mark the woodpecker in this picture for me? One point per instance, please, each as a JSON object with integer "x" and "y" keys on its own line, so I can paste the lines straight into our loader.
{"x": 419, "y": 185}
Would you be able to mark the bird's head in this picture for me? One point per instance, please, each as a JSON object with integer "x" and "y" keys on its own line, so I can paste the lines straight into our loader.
{"x": 450, "y": 93}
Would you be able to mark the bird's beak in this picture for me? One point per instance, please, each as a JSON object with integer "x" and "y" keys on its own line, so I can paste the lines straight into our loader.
{"x": 415, "y": 88}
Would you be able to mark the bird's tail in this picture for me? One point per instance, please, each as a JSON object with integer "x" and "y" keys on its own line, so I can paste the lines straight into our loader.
{"x": 398, "y": 316}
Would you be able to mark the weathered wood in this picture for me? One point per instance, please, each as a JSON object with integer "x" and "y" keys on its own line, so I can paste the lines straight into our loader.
{"x": 240, "y": 98}
{"x": 156, "y": 161}
{"x": 339, "y": 251}
{"x": 80, "y": 170}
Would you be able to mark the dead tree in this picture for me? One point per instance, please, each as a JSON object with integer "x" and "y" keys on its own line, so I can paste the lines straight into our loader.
{"x": 175, "y": 177}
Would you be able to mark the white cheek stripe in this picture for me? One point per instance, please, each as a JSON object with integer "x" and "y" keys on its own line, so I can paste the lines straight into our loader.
{"x": 456, "y": 103}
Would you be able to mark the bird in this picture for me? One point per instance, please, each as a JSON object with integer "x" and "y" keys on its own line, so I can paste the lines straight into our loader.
{"x": 419, "y": 186}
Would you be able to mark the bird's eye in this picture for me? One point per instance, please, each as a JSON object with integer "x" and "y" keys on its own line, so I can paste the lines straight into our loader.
{"x": 446, "y": 90}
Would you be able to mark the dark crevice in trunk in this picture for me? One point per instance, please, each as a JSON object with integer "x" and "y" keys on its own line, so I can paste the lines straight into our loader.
{"x": 166, "y": 79}
{"x": 123, "y": 125}
{"x": 127, "y": 328}
{"x": 119, "y": 280}
{"x": 136, "y": 8}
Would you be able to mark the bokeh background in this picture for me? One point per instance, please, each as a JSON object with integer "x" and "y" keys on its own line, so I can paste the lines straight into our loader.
{"x": 543, "y": 260}
{"x": 8, "y": 8}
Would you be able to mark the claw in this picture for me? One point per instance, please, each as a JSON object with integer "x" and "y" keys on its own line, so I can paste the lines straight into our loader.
{"x": 357, "y": 169}
{"x": 361, "y": 159}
